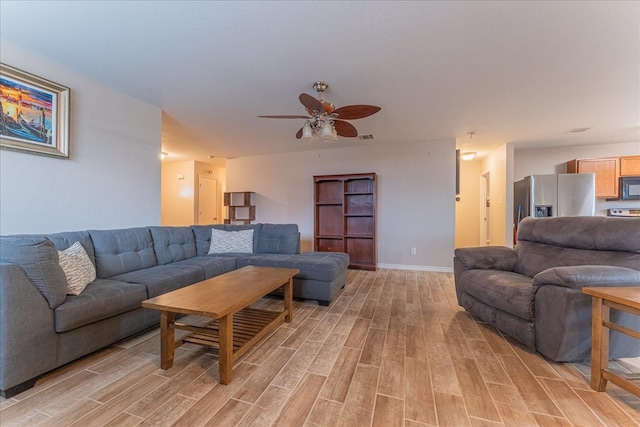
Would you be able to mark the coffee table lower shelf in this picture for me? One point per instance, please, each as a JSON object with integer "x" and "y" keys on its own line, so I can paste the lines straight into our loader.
{"x": 250, "y": 325}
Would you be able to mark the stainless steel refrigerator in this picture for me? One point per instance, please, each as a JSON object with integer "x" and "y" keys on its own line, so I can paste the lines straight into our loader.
{"x": 567, "y": 194}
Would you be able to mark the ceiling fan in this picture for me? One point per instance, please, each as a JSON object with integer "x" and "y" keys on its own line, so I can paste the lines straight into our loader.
{"x": 325, "y": 120}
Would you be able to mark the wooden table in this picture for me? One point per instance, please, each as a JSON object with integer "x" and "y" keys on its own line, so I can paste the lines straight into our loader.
{"x": 620, "y": 298}
{"x": 225, "y": 299}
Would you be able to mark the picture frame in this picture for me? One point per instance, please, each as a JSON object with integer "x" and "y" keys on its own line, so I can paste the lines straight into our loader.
{"x": 34, "y": 114}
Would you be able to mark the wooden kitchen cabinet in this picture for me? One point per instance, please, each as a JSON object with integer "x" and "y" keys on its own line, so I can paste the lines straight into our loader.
{"x": 630, "y": 166}
{"x": 344, "y": 220}
{"x": 607, "y": 171}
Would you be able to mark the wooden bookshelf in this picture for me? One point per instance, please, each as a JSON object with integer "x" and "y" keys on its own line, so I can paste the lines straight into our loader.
{"x": 344, "y": 219}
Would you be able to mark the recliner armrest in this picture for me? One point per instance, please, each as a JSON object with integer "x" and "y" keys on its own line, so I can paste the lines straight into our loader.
{"x": 578, "y": 276}
{"x": 487, "y": 258}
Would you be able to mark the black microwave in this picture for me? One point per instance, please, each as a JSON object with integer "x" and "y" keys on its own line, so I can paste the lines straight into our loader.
{"x": 630, "y": 188}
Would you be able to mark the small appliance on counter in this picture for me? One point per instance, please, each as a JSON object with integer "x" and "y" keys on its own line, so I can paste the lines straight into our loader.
{"x": 624, "y": 212}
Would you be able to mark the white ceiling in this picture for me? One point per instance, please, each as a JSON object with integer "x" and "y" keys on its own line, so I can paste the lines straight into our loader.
{"x": 521, "y": 72}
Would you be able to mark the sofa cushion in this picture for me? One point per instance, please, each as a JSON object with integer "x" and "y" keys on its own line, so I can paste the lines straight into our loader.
{"x": 212, "y": 265}
{"x": 487, "y": 258}
{"x": 38, "y": 257}
{"x": 77, "y": 267}
{"x": 322, "y": 266}
{"x": 65, "y": 239}
{"x": 596, "y": 233}
{"x": 122, "y": 251}
{"x": 278, "y": 239}
{"x": 536, "y": 257}
{"x": 102, "y": 299}
{"x": 164, "y": 278}
{"x": 507, "y": 291}
{"x": 222, "y": 241}
{"x": 173, "y": 244}
{"x": 202, "y": 234}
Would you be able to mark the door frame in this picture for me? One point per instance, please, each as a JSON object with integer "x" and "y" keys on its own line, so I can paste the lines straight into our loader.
{"x": 485, "y": 209}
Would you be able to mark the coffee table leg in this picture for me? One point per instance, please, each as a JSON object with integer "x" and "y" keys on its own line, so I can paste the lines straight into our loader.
{"x": 167, "y": 339}
{"x": 288, "y": 300}
{"x": 599, "y": 344}
{"x": 225, "y": 355}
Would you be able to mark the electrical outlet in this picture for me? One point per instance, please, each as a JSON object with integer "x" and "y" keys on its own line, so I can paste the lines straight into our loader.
{"x": 413, "y": 251}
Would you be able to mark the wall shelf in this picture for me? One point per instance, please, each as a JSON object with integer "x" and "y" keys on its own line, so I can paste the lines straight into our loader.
{"x": 240, "y": 209}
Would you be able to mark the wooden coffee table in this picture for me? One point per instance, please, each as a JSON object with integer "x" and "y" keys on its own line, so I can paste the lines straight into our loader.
{"x": 225, "y": 299}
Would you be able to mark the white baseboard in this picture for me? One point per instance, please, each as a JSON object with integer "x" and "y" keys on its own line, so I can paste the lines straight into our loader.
{"x": 416, "y": 268}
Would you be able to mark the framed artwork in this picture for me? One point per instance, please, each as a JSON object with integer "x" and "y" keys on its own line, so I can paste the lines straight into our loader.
{"x": 34, "y": 114}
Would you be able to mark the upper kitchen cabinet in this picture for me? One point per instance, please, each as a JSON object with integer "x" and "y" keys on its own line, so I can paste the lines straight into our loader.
{"x": 607, "y": 171}
{"x": 630, "y": 166}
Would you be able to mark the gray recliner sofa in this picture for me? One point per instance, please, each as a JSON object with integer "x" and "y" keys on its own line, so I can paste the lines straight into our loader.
{"x": 533, "y": 292}
{"x": 42, "y": 328}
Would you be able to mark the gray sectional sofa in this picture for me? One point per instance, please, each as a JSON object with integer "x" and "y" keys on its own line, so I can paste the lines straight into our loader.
{"x": 533, "y": 292}
{"x": 42, "y": 328}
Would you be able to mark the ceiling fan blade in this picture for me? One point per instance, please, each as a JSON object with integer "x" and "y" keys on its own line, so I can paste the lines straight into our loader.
{"x": 345, "y": 129}
{"x": 299, "y": 134}
{"x": 352, "y": 112}
{"x": 310, "y": 102}
{"x": 285, "y": 116}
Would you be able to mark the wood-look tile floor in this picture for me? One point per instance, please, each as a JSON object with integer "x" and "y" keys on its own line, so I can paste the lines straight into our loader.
{"x": 393, "y": 349}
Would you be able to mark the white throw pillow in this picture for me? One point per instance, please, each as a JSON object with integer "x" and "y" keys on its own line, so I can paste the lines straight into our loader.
{"x": 231, "y": 241}
{"x": 78, "y": 268}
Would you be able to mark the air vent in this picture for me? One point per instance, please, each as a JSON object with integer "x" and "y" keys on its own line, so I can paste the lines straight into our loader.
{"x": 365, "y": 136}
{"x": 578, "y": 130}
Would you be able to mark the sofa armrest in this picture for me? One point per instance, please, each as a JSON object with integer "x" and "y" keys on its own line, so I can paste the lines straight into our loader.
{"x": 578, "y": 276}
{"x": 487, "y": 258}
{"x": 28, "y": 341}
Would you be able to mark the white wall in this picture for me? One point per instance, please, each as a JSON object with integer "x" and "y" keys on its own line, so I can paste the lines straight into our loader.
{"x": 553, "y": 160}
{"x": 112, "y": 178}
{"x": 415, "y": 198}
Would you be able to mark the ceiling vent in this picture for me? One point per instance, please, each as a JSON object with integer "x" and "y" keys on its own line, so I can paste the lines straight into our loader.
{"x": 578, "y": 130}
{"x": 365, "y": 136}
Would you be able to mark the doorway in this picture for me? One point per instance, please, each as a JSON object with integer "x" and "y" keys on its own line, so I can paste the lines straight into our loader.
{"x": 485, "y": 209}
{"x": 207, "y": 200}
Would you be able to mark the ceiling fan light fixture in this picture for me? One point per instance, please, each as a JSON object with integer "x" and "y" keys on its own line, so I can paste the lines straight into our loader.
{"x": 307, "y": 132}
{"x": 327, "y": 130}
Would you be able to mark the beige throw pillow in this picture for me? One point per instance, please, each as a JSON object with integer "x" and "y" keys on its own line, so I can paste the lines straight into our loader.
{"x": 78, "y": 268}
